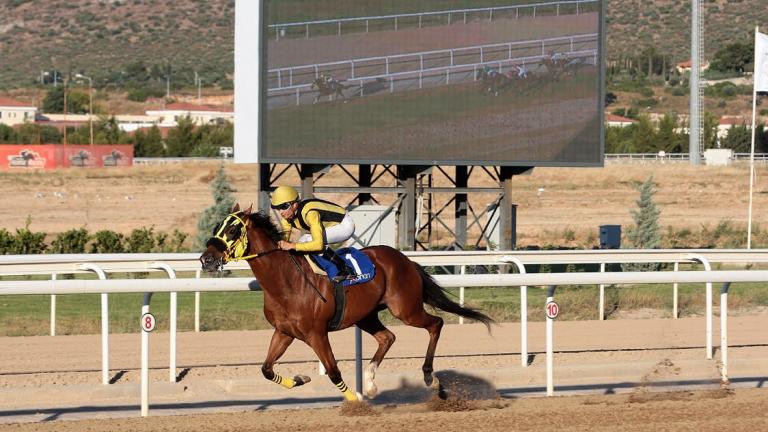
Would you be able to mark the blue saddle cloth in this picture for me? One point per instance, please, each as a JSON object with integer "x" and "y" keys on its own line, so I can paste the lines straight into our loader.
{"x": 356, "y": 260}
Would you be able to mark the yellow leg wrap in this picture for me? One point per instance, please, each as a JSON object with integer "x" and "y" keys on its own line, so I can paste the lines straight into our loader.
{"x": 285, "y": 382}
{"x": 348, "y": 393}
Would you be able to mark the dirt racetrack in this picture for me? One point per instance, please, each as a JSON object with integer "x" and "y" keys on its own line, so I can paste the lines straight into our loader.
{"x": 657, "y": 379}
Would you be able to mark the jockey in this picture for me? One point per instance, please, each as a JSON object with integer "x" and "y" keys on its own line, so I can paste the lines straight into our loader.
{"x": 326, "y": 223}
{"x": 522, "y": 72}
{"x": 489, "y": 71}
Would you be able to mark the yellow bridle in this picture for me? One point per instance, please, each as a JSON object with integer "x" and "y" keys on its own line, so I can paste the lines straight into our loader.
{"x": 237, "y": 247}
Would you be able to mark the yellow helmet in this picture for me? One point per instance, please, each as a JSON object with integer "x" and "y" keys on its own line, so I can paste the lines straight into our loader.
{"x": 284, "y": 194}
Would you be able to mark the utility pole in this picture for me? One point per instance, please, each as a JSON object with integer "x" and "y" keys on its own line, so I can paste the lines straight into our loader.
{"x": 694, "y": 115}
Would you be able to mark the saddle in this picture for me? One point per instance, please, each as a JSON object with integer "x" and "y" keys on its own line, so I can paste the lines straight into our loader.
{"x": 356, "y": 260}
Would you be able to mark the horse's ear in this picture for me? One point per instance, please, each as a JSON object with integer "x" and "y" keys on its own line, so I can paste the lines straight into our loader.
{"x": 248, "y": 211}
{"x": 236, "y": 208}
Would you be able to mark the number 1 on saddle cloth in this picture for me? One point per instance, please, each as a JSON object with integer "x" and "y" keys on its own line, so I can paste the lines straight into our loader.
{"x": 347, "y": 266}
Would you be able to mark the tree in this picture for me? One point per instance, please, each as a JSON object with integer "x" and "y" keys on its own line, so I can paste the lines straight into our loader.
{"x": 738, "y": 139}
{"x": 644, "y": 135}
{"x": 223, "y": 202}
{"x": 646, "y": 233}
{"x": 734, "y": 58}
{"x": 77, "y": 103}
{"x": 148, "y": 144}
{"x": 667, "y": 138}
{"x": 183, "y": 138}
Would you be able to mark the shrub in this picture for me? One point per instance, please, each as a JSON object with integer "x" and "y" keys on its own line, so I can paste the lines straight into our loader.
{"x": 28, "y": 242}
{"x": 72, "y": 241}
{"x": 141, "y": 240}
{"x": 6, "y": 242}
{"x": 108, "y": 242}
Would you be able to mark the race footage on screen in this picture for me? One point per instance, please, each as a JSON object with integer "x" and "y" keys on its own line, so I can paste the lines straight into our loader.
{"x": 499, "y": 83}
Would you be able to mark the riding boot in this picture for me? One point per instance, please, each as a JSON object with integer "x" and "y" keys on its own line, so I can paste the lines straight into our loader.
{"x": 344, "y": 271}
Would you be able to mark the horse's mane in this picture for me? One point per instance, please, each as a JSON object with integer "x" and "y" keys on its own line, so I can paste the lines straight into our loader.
{"x": 262, "y": 221}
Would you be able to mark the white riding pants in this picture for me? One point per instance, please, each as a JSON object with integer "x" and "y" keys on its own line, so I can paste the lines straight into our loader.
{"x": 337, "y": 233}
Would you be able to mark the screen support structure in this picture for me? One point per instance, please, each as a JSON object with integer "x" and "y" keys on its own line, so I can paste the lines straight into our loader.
{"x": 414, "y": 193}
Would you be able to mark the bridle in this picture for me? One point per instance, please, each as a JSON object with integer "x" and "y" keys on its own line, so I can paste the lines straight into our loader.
{"x": 235, "y": 250}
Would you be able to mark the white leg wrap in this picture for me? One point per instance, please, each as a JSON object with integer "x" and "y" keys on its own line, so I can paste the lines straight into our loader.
{"x": 369, "y": 387}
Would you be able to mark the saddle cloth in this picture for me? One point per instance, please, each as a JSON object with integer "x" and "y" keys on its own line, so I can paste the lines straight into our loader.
{"x": 356, "y": 260}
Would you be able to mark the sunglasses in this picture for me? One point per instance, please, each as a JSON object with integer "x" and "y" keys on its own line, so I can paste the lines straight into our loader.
{"x": 283, "y": 206}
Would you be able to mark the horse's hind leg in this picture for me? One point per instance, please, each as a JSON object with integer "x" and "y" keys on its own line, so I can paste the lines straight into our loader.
{"x": 322, "y": 347}
{"x": 415, "y": 315}
{"x": 278, "y": 345}
{"x": 373, "y": 326}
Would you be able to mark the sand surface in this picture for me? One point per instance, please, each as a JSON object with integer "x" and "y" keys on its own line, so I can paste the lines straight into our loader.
{"x": 647, "y": 374}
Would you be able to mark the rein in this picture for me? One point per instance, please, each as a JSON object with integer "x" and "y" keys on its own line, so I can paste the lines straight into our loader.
{"x": 236, "y": 248}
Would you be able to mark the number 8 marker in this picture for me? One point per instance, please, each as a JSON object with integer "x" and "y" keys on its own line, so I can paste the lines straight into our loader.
{"x": 148, "y": 322}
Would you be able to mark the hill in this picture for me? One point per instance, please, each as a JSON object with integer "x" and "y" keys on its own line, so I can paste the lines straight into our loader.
{"x": 103, "y": 38}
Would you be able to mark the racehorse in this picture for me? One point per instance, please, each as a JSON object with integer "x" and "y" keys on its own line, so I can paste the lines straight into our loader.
{"x": 299, "y": 304}
{"x": 492, "y": 80}
{"x": 327, "y": 86}
{"x": 559, "y": 65}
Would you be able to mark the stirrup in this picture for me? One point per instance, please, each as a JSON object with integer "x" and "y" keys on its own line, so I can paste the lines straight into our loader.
{"x": 342, "y": 276}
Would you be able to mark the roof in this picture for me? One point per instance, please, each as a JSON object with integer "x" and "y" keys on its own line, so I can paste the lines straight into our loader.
{"x": 732, "y": 121}
{"x": 8, "y": 102}
{"x": 613, "y": 118}
{"x": 184, "y": 106}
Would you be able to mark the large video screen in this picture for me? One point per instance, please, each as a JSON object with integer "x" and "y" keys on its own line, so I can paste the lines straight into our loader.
{"x": 491, "y": 82}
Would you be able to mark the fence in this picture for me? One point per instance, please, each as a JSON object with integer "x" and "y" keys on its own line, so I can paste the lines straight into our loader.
{"x": 369, "y": 68}
{"x": 73, "y": 264}
{"x": 420, "y": 19}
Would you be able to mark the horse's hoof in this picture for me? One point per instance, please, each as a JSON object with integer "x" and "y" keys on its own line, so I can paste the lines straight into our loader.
{"x": 300, "y": 380}
{"x": 372, "y": 391}
{"x": 428, "y": 379}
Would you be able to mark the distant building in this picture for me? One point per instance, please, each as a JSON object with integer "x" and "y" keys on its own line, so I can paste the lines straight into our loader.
{"x": 126, "y": 123}
{"x": 200, "y": 114}
{"x": 13, "y": 112}
{"x": 618, "y": 121}
{"x": 685, "y": 66}
{"x": 727, "y": 122}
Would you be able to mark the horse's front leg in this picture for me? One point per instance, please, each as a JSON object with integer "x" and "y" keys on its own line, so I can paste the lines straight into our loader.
{"x": 278, "y": 345}
{"x": 321, "y": 345}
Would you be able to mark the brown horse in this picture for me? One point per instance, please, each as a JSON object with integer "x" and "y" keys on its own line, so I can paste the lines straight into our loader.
{"x": 327, "y": 86}
{"x": 492, "y": 81}
{"x": 300, "y": 304}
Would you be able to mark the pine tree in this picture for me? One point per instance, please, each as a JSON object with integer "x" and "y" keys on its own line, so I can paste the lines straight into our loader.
{"x": 223, "y": 204}
{"x": 646, "y": 233}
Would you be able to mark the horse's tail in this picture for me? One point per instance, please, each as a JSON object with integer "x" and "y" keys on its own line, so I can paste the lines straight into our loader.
{"x": 435, "y": 296}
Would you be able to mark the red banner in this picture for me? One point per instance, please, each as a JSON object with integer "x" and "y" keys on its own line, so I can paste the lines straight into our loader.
{"x": 49, "y": 156}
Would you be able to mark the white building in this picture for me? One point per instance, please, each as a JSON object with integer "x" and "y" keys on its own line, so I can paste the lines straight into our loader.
{"x": 13, "y": 112}
{"x": 200, "y": 114}
{"x": 618, "y": 121}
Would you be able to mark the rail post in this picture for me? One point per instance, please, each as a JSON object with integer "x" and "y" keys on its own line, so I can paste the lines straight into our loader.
{"x": 53, "y": 309}
{"x": 724, "y": 332}
{"x": 708, "y": 312}
{"x": 197, "y": 305}
{"x": 601, "y": 307}
{"x": 675, "y": 307}
{"x": 104, "y": 322}
{"x": 523, "y": 310}
{"x": 145, "y": 359}
{"x": 172, "y": 321}
{"x": 550, "y": 343}
{"x": 461, "y": 294}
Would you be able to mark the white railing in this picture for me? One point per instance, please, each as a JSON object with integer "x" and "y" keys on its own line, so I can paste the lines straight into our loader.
{"x": 418, "y": 18}
{"x": 292, "y": 77}
{"x": 650, "y": 157}
{"x": 189, "y": 262}
{"x": 545, "y": 279}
